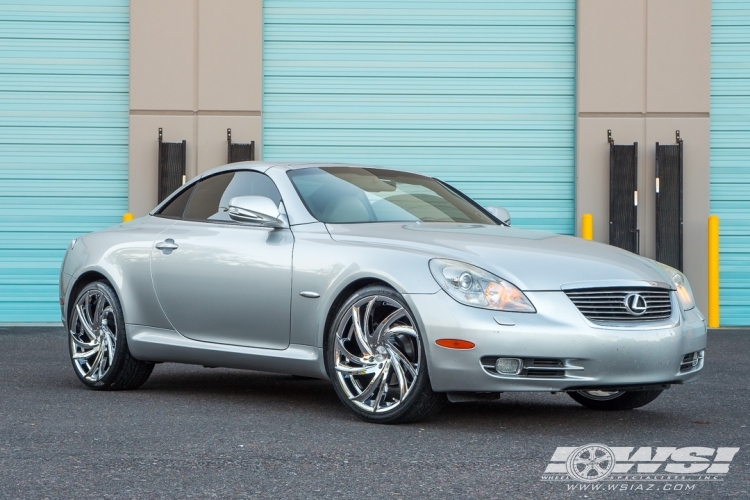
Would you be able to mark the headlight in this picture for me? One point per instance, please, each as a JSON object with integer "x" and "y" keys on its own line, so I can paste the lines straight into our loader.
{"x": 682, "y": 287}
{"x": 476, "y": 287}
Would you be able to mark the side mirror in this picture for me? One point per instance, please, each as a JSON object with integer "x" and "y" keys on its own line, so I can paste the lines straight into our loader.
{"x": 500, "y": 213}
{"x": 255, "y": 210}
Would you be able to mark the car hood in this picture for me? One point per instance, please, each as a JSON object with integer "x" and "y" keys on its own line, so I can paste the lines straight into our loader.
{"x": 532, "y": 260}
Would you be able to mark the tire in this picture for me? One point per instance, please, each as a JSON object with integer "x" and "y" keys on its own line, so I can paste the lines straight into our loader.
{"x": 381, "y": 375}
{"x": 101, "y": 358}
{"x": 616, "y": 401}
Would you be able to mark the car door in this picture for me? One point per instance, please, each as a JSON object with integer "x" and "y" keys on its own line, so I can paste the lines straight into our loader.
{"x": 222, "y": 281}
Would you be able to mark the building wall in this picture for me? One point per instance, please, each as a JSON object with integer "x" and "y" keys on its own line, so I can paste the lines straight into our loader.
{"x": 195, "y": 70}
{"x": 644, "y": 72}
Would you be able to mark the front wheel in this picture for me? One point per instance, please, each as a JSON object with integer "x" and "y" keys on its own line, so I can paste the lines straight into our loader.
{"x": 377, "y": 359}
{"x": 98, "y": 344}
{"x": 614, "y": 400}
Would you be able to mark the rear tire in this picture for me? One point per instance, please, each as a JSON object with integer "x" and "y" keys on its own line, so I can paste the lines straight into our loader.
{"x": 98, "y": 344}
{"x": 614, "y": 401}
{"x": 377, "y": 361}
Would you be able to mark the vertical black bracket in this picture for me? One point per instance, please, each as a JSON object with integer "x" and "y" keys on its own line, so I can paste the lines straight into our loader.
{"x": 172, "y": 162}
{"x": 239, "y": 152}
{"x": 623, "y": 195}
{"x": 669, "y": 203}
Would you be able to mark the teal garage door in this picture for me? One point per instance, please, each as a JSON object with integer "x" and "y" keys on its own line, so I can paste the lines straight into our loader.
{"x": 63, "y": 140}
{"x": 478, "y": 93}
{"x": 730, "y": 153}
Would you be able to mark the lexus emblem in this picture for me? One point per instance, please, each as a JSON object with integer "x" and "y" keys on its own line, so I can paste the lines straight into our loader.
{"x": 635, "y": 304}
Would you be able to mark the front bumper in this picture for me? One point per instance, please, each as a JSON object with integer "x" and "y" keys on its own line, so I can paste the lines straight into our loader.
{"x": 588, "y": 355}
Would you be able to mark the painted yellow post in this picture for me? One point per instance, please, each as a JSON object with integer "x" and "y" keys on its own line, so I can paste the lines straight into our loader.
{"x": 587, "y": 227}
{"x": 713, "y": 272}
{"x": 127, "y": 217}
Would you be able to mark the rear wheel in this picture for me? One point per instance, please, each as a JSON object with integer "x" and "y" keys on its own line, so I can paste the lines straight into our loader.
{"x": 377, "y": 359}
{"x": 614, "y": 400}
{"x": 98, "y": 344}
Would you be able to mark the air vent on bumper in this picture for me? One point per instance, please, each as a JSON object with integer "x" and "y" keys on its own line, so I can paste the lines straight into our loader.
{"x": 691, "y": 361}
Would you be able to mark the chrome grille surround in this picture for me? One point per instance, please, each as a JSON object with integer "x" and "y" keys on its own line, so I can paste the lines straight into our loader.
{"x": 608, "y": 305}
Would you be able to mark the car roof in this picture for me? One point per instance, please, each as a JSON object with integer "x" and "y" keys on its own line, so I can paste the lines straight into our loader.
{"x": 264, "y": 166}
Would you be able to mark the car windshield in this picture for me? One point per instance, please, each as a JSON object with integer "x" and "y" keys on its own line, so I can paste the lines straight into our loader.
{"x": 340, "y": 195}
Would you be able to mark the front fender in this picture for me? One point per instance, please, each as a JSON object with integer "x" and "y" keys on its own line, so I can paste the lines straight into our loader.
{"x": 324, "y": 266}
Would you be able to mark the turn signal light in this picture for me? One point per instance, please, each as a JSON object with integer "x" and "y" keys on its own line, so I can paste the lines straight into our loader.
{"x": 455, "y": 344}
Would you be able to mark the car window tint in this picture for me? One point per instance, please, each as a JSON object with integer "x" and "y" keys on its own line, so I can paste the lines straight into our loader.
{"x": 212, "y": 196}
{"x": 356, "y": 195}
{"x": 176, "y": 207}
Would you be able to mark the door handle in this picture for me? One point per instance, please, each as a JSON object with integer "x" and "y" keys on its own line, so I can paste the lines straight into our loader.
{"x": 167, "y": 244}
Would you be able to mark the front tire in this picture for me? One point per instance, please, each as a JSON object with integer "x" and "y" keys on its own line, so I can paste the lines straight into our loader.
{"x": 377, "y": 360}
{"x": 98, "y": 344}
{"x": 614, "y": 400}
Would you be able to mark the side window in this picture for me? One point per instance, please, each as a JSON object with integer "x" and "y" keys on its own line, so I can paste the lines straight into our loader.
{"x": 176, "y": 207}
{"x": 211, "y": 197}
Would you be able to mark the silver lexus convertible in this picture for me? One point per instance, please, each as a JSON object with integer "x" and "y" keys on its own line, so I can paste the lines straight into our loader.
{"x": 397, "y": 287}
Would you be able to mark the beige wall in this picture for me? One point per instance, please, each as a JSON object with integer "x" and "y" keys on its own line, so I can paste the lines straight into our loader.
{"x": 195, "y": 70}
{"x": 643, "y": 71}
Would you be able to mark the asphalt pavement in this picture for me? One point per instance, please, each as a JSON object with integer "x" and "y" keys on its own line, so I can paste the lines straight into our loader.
{"x": 194, "y": 432}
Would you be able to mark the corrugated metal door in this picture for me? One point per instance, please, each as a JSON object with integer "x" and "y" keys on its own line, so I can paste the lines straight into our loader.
{"x": 63, "y": 140}
{"x": 478, "y": 93}
{"x": 730, "y": 153}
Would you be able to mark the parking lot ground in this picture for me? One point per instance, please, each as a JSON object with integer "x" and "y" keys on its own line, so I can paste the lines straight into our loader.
{"x": 193, "y": 432}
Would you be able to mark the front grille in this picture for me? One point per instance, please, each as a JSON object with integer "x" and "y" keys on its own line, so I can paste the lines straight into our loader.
{"x": 607, "y": 305}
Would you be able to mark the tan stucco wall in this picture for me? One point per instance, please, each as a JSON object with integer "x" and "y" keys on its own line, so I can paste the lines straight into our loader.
{"x": 195, "y": 70}
{"x": 643, "y": 71}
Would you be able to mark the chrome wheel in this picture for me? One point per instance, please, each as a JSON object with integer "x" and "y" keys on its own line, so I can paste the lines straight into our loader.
{"x": 377, "y": 354}
{"x": 600, "y": 395}
{"x": 93, "y": 335}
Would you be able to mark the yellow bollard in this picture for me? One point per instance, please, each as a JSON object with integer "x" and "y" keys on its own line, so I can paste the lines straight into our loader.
{"x": 713, "y": 272}
{"x": 127, "y": 217}
{"x": 587, "y": 227}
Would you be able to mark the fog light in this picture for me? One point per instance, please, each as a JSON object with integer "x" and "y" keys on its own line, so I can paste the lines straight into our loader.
{"x": 508, "y": 366}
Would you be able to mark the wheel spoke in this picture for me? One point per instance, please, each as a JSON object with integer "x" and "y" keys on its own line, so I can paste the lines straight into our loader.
{"x": 401, "y": 376}
{"x": 100, "y": 367}
{"x": 371, "y": 387}
{"x": 109, "y": 334}
{"x": 357, "y": 370}
{"x": 97, "y": 319}
{"x": 80, "y": 343}
{"x": 87, "y": 354}
{"x": 399, "y": 356}
{"x": 399, "y": 330}
{"x": 95, "y": 365}
{"x": 110, "y": 348}
{"x": 358, "y": 334}
{"x": 387, "y": 322}
{"x": 368, "y": 316}
{"x": 351, "y": 357}
{"x": 383, "y": 386}
{"x": 599, "y": 468}
{"x": 85, "y": 322}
